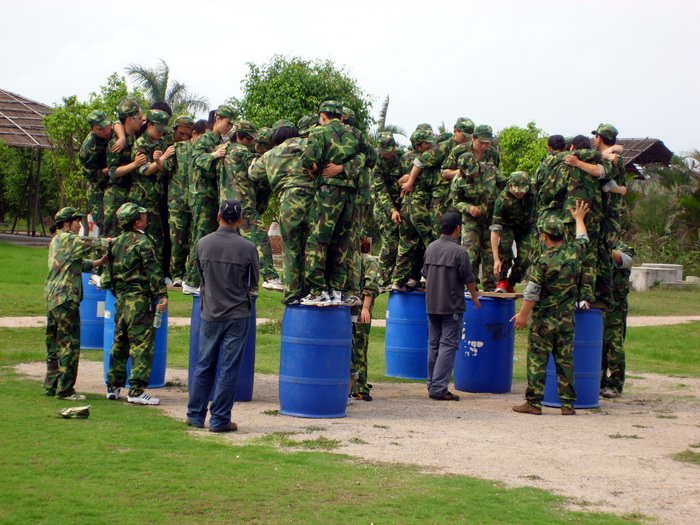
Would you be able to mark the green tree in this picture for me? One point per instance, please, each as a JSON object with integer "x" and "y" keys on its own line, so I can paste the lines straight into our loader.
{"x": 292, "y": 87}
{"x": 160, "y": 88}
{"x": 382, "y": 124}
{"x": 522, "y": 149}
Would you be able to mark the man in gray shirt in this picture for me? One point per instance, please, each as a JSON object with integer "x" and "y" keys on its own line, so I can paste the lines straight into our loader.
{"x": 229, "y": 268}
{"x": 447, "y": 269}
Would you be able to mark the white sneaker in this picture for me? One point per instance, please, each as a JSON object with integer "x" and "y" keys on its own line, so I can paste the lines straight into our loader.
{"x": 95, "y": 280}
{"x": 113, "y": 393}
{"x": 336, "y": 297}
{"x": 411, "y": 283}
{"x": 143, "y": 399}
{"x": 273, "y": 284}
{"x": 583, "y": 305}
{"x": 352, "y": 300}
{"x": 177, "y": 283}
{"x": 168, "y": 281}
{"x": 396, "y": 287}
{"x": 190, "y": 290}
{"x": 350, "y": 399}
{"x": 73, "y": 397}
{"x": 322, "y": 299}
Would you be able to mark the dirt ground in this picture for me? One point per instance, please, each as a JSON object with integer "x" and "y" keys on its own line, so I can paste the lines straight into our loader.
{"x": 613, "y": 459}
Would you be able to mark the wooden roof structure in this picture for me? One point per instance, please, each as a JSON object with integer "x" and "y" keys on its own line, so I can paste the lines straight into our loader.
{"x": 22, "y": 122}
{"x": 641, "y": 152}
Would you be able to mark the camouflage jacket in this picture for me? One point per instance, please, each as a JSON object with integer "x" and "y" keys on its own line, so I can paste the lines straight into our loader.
{"x": 556, "y": 270}
{"x": 480, "y": 190}
{"x": 433, "y": 159}
{"x": 369, "y": 275}
{"x": 386, "y": 192}
{"x": 334, "y": 143}
{"x": 585, "y": 187}
{"x": 147, "y": 190}
{"x": 552, "y": 179}
{"x": 115, "y": 160}
{"x": 179, "y": 186}
{"x": 93, "y": 159}
{"x": 135, "y": 269}
{"x": 233, "y": 175}
{"x": 491, "y": 155}
{"x": 621, "y": 276}
{"x": 68, "y": 254}
{"x": 203, "y": 167}
{"x": 281, "y": 166}
{"x": 614, "y": 203}
{"x": 513, "y": 214}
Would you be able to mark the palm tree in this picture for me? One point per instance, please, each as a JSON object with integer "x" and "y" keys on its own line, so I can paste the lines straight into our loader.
{"x": 160, "y": 88}
{"x": 383, "y": 126}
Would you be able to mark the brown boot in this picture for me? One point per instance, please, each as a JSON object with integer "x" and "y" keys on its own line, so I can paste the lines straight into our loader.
{"x": 567, "y": 411}
{"x": 527, "y": 408}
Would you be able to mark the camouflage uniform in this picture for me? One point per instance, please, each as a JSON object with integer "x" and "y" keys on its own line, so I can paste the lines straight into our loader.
{"x": 491, "y": 155}
{"x": 179, "y": 214}
{"x": 295, "y": 190}
{"x": 369, "y": 275}
{"x": 386, "y": 194}
{"x": 615, "y": 324}
{"x": 329, "y": 245}
{"x": 478, "y": 184}
{"x": 431, "y": 162}
{"x": 552, "y": 284}
{"x": 63, "y": 293}
{"x": 136, "y": 278}
{"x": 514, "y": 219}
{"x": 93, "y": 159}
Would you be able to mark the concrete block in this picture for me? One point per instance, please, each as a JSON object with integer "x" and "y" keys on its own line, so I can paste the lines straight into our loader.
{"x": 645, "y": 277}
{"x": 676, "y": 268}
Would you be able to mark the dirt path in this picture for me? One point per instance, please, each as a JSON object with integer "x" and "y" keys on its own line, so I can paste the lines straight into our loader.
{"x": 613, "y": 459}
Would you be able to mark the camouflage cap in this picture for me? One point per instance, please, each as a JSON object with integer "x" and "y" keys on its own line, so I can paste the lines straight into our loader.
{"x": 128, "y": 108}
{"x": 129, "y": 211}
{"x": 283, "y": 123}
{"x": 307, "y": 123}
{"x": 552, "y": 226}
{"x": 484, "y": 133}
{"x": 98, "y": 118}
{"x": 442, "y": 137}
{"x": 159, "y": 118}
{"x": 519, "y": 182}
{"x": 425, "y": 126}
{"x": 385, "y": 141}
{"x": 420, "y": 136}
{"x": 226, "y": 111}
{"x": 606, "y": 130}
{"x": 331, "y": 106}
{"x": 468, "y": 164}
{"x": 185, "y": 121}
{"x": 245, "y": 126}
{"x": 265, "y": 136}
{"x": 348, "y": 113}
{"x": 465, "y": 125}
{"x": 67, "y": 213}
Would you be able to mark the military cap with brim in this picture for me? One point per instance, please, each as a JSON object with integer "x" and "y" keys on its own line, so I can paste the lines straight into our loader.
{"x": 484, "y": 133}
{"x": 99, "y": 118}
{"x": 307, "y": 123}
{"x": 519, "y": 182}
{"x": 128, "y": 107}
{"x": 468, "y": 164}
{"x": 243, "y": 126}
{"x": 265, "y": 136}
{"x": 465, "y": 125}
{"x": 552, "y": 226}
{"x": 159, "y": 119}
{"x": 129, "y": 211}
{"x": 185, "y": 121}
{"x": 420, "y": 136}
{"x": 385, "y": 141}
{"x": 331, "y": 106}
{"x": 284, "y": 123}
{"x": 606, "y": 130}
{"x": 226, "y": 111}
{"x": 67, "y": 213}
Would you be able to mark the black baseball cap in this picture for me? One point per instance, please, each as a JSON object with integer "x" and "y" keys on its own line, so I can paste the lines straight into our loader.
{"x": 450, "y": 221}
{"x": 230, "y": 210}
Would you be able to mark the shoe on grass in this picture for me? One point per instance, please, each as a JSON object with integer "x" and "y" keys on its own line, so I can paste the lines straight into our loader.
{"x": 143, "y": 399}
{"x": 527, "y": 408}
{"x": 231, "y": 427}
{"x": 73, "y": 397}
{"x": 274, "y": 284}
{"x": 567, "y": 411}
{"x": 113, "y": 393}
{"x": 445, "y": 397}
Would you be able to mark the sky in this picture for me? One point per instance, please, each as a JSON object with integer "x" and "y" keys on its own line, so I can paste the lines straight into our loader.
{"x": 567, "y": 66}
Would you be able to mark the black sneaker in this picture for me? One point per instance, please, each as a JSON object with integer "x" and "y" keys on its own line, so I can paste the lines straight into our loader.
{"x": 446, "y": 397}
{"x": 362, "y": 396}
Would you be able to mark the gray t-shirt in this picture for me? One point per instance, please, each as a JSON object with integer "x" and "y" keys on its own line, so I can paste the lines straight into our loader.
{"x": 446, "y": 269}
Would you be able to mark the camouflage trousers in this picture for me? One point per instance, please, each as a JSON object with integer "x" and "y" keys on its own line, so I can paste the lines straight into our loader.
{"x": 360, "y": 344}
{"x": 438, "y": 206}
{"x": 614, "y": 332}
{"x": 589, "y": 260}
{"x": 360, "y": 219}
{"x": 415, "y": 234}
{"x": 389, "y": 232}
{"x": 555, "y": 337}
{"x": 253, "y": 229}
{"x": 329, "y": 249}
{"x": 204, "y": 212}
{"x": 612, "y": 228}
{"x": 517, "y": 264}
{"x": 476, "y": 239}
{"x": 96, "y": 195}
{"x": 134, "y": 337}
{"x": 180, "y": 225}
{"x": 295, "y": 204}
{"x": 155, "y": 232}
{"x": 114, "y": 196}
{"x": 62, "y": 349}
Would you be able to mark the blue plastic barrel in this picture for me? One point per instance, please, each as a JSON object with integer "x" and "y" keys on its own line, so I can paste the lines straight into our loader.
{"x": 406, "y": 343}
{"x": 588, "y": 356}
{"x": 484, "y": 361}
{"x": 160, "y": 352}
{"x": 315, "y": 361}
{"x": 246, "y": 376}
{"x": 92, "y": 316}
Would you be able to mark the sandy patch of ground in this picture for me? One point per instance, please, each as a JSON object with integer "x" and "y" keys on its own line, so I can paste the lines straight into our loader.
{"x": 481, "y": 437}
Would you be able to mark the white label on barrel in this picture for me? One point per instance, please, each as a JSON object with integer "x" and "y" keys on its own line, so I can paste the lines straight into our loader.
{"x": 108, "y": 314}
{"x": 473, "y": 348}
{"x": 100, "y": 309}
